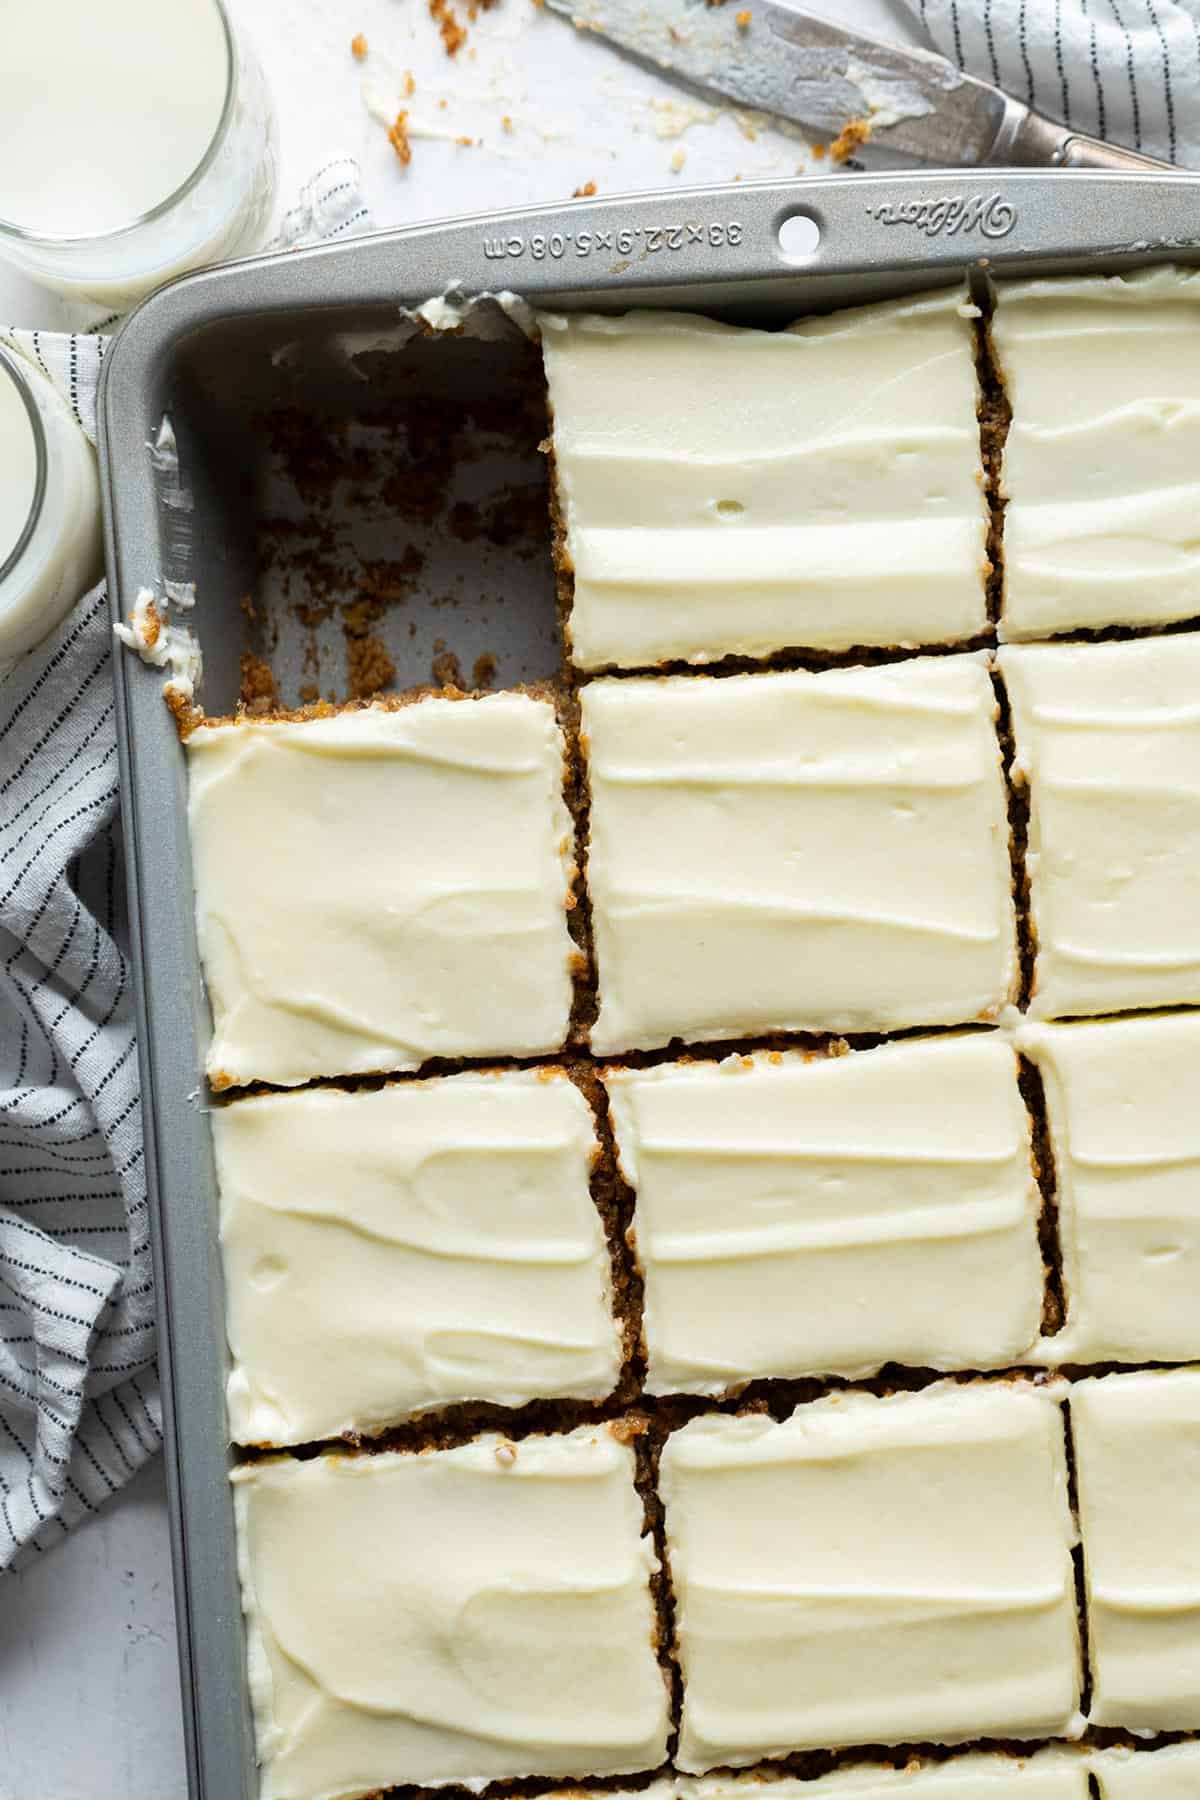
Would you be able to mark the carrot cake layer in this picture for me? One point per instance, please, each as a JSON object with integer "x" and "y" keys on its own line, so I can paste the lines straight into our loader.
{"x": 394, "y": 1251}
{"x": 1100, "y": 466}
{"x": 1108, "y": 742}
{"x": 457, "y": 1616}
{"x": 797, "y": 852}
{"x": 811, "y": 1216}
{"x": 1123, "y": 1102}
{"x": 726, "y": 491}
{"x": 873, "y": 1571}
{"x": 1137, "y": 1460}
{"x": 382, "y": 886}
{"x": 1057, "y": 1774}
{"x": 1172, "y": 1773}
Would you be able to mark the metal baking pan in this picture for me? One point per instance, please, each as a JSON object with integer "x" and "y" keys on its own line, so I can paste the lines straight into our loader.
{"x": 317, "y": 329}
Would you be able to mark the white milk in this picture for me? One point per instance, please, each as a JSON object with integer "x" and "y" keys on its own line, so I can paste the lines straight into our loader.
{"x": 61, "y": 557}
{"x": 18, "y": 464}
{"x": 107, "y": 111}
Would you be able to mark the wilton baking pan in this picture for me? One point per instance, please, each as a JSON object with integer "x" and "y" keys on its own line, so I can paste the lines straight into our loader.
{"x": 244, "y": 507}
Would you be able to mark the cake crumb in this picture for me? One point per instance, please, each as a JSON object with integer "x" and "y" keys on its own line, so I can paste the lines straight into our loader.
{"x": 506, "y": 1454}
{"x": 853, "y": 135}
{"x": 452, "y": 33}
{"x": 257, "y": 692}
{"x": 506, "y": 125}
{"x": 584, "y": 191}
{"x": 818, "y": 151}
{"x": 678, "y": 160}
{"x": 398, "y": 138}
{"x": 447, "y": 670}
{"x": 743, "y": 19}
{"x": 358, "y": 47}
{"x": 145, "y": 626}
{"x": 409, "y": 85}
{"x": 484, "y": 672}
{"x": 309, "y": 693}
{"x": 369, "y": 666}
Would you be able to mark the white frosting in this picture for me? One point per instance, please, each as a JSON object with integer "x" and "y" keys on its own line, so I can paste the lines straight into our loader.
{"x": 455, "y": 1616}
{"x": 1046, "y": 1775}
{"x": 873, "y": 1571}
{"x": 730, "y": 491}
{"x": 388, "y": 1252}
{"x": 1137, "y": 1453}
{"x": 382, "y": 886}
{"x": 1172, "y": 1773}
{"x": 1108, "y": 739}
{"x": 1123, "y": 1099}
{"x": 801, "y": 1216}
{"x": 164, "y": 646}
{"x": 1103, "y": 453}
{"x": 792, "y": 851}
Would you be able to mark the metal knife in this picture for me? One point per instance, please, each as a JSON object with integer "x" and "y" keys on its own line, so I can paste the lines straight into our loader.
{"x": 779, "y": 58}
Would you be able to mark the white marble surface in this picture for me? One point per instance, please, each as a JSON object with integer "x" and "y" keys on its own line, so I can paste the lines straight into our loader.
{"x": 89, "y": 1705}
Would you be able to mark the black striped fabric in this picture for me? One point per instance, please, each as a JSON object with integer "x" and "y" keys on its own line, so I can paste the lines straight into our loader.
{"x": 1127, "y": 70}
{"x": 79, "y": 1407}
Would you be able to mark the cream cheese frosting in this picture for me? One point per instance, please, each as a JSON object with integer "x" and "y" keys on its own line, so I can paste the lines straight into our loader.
{"x": 1172, "y": 1773}
{"x": 732, "y": 491}
{"x": 378, "y": 887}
{"x": 797, "y": 851}
{"x": 1108, "y": 741}
{"x": 802, "y": 1215}
{"x": 873, "y": 1571}
{"x": 1056, "y": 1774}
{"x": 1100, "y": 466}
{"x": 1123, "y": 1103}
{"x": 455, "y": 1616}
{"x": 393, "y": 1251}
{"x": 1137, "y": 1460}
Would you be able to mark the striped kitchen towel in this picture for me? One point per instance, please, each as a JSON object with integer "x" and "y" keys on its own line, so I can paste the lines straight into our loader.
{"x": 79, "y": 1405}
{"x": 1127, "y": 70}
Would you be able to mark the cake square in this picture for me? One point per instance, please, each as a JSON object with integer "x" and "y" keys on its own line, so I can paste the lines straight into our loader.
{"x": 1172, "y": 1773}
{"x": 388, "y": 1252}
{"x": 1103, "y": 375}
{"x": 801, "y": 1215}
{"x": 797, "y": 852}
{"x": 455, "y": 1616}
{"x": 381, "y": 886}
{"x": 873, "y": 1571}
{"x": 1137, "y": 1460}
{"x": 726, "y": 491}
{"x": 1123, "y": 1106}
{"x": 976, "y": 1775}
{"x": 1108, "y": 743}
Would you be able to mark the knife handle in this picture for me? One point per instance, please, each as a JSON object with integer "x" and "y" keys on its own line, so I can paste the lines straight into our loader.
{"x": 1081, "y": 152}
{"x": 1030, "y": 140}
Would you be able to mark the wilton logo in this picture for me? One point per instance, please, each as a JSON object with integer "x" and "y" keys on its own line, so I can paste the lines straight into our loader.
{"x": 989, "y": 214}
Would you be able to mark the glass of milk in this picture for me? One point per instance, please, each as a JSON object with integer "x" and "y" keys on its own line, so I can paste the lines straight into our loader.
{"x": 50, "y": 548}
{"x": 137, "y": 141}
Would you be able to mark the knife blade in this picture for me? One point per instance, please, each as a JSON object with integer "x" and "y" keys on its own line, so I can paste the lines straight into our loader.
{"x": 781, "y": 59}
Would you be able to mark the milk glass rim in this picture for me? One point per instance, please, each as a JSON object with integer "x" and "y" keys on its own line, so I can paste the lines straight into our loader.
{"x": 44, "y": 240}
{"x": 10, "y": 366}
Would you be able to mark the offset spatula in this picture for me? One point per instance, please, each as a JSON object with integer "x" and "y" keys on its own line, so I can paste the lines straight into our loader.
{"x": 779, "y": 58}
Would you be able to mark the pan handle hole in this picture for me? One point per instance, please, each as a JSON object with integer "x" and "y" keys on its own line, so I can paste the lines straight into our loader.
{"x": 799, "y": 237}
